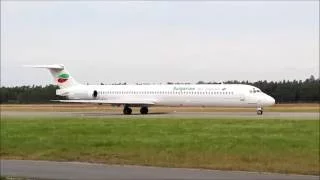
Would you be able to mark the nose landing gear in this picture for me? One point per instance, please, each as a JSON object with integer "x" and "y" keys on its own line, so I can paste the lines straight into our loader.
{"x": 259, "y": 110}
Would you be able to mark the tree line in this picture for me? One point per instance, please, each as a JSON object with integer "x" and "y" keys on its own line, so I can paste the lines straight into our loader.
{"x": 283, "y": 91}
{"x": 29, "y": 94}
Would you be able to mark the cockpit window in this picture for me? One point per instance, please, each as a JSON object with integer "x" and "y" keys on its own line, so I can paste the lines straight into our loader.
{"x": 255, "y": 91}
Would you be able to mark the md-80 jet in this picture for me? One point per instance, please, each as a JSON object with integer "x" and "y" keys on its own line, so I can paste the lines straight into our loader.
{"x": 145, "y": 96}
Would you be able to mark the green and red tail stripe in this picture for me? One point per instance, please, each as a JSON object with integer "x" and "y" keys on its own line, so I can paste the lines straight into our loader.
{"x": 63, "y": 78}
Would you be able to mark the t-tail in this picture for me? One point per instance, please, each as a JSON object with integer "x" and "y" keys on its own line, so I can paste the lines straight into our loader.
{"x": 61, "y": 76}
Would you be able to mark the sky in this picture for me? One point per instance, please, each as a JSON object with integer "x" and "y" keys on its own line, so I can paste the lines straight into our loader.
{"x": 158, "y": 42}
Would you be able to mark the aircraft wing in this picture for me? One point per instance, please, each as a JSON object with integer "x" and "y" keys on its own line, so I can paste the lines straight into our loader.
{"x": 112, "y": 101}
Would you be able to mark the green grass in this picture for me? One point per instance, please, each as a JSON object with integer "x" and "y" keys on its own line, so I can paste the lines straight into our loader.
{"x": 285, "y": 146}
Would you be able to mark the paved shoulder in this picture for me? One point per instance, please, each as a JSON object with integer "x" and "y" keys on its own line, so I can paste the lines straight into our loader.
{"x": 248, "y": 115}
{"x": 79, "y": 171}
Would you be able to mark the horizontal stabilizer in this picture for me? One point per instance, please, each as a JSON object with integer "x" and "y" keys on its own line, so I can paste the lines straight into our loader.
{"x": 53, "y": 66}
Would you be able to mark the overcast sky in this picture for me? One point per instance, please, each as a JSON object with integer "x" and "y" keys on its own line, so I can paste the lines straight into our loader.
{"x": 180, "y": 41}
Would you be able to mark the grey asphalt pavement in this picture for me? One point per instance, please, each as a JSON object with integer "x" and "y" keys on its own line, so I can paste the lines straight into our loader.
{"x": 248, "y": 115}
{"x": 86, "y": 171}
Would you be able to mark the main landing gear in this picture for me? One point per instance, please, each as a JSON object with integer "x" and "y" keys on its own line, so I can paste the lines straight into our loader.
{"x": 127, "y": 110}
{"x": 144, "y": 110}
{"x": 259, "y": 110}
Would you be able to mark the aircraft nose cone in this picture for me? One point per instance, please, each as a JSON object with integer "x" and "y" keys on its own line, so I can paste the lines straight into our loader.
{"x": 270, "y": 101}
{"x": 273, "y": 101}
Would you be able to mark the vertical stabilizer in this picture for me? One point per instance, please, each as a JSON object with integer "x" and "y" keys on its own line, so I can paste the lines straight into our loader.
{"x": 61, "y": 76}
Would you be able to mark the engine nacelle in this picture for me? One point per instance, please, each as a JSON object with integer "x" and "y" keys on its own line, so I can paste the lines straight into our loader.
{"x": 91, "y": 94}
{"x": 78, "y": 93}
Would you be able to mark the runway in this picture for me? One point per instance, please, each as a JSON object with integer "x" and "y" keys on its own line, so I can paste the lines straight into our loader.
{"x": 99, "y": 114}
{"x": 84, "y": 171}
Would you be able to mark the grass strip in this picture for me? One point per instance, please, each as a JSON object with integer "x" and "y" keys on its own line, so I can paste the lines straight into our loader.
{"x": 272, "y": 145}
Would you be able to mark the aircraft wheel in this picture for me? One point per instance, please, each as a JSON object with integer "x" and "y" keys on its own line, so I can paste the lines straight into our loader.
{"x": 144, "y": 110}
{"x": 259, "y": 111}
{"x": 127, "y": 110}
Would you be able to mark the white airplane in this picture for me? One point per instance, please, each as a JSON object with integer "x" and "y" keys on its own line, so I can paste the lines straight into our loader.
{"x": 144, "y": 96}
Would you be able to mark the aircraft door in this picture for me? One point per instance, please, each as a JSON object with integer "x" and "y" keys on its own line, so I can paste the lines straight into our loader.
{"x": 95, "y": 94}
